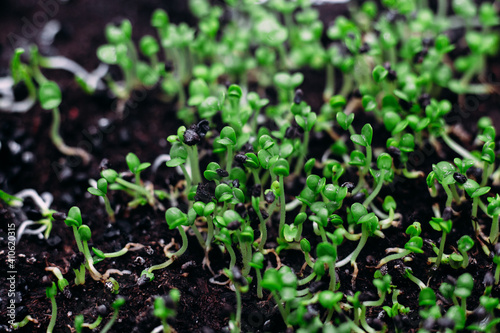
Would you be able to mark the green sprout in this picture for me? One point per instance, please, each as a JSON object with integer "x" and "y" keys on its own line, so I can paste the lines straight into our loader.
{"x": 165, "y": 308}
{"x": 440, "y": 224}
{"x": 101, "y": 190}
{"x": 51, "y": 294}
{"x": 116, "y": 305}
{"x": 240, "y": 286}
{"x": 494, "y": 211}
{"x": 414, "y": 245}
{"x": 175, "y": 219}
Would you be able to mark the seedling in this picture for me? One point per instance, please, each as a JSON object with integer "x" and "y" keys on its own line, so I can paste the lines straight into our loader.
{"x": 165, "y": 308}
{"x": 51, "y": 294}
{"x": 240, "y": 286}
{"x": 414, "y": 245}
{"x": 101, "y": 190}
{"x": 117, "y": 304}
{"x": 440, "y": 224}
{"x": 494, "y": 211}
{"x": 175, "y": 219}
{"x": 62, "y": 283}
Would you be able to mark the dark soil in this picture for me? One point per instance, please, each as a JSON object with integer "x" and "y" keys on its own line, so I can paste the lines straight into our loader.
{"x": 89, "y": 121}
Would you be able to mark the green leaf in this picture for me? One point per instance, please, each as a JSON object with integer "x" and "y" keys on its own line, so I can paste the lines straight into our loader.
{"x": 345, "y": 120}
{"x": 85, "y": 233}
{"x": 379, "y": 73}
{"x": 49, "y": 95}
{"x": 132, "y": 162}
{"x": 175, "y": 218}
{"x": 107, "y": 54}
{"x": 96, "y": 192}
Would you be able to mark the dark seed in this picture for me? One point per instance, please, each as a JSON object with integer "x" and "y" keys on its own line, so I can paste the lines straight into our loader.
{"x": 169, "y": 66}
{"x": 191, "y": 138}
{"x": 392, "y": 75}
{"x": 222, "y": 172}
{"x": 102, "y": 310}
{"x": 424, "y": 100}
{"x": 377, "y": 324}
{"x": 264, "y": 214}
{"x": 459, "y": 178}
{"x": 236, "y": 183}
{"x": 20, "y": 91}
{"x": 235, "y": 225}
{"x": 364, "y": 48}
{"x": 479, "y": 313}
{"x": 488, "y": 279}
{"x": 256, "y": 189}
{"x": 299, "y": 95}
{"x": 316, "y": 286}
{"x": 270, "y": 197}
{"x": 447, "y": 214}
{"x": 445, "y": 322}
{"x": 240, "y": 209}
{"x": 77, "y": 260}
{"x": 240, "y": 158}
{"x": 202, "y": 128}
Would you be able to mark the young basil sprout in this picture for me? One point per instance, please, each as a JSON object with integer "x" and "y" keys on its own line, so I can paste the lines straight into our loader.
{"x": 175, "y": 219}
{"x": 414, "y": 245}
{"x": 101, "y": 191}
{"x": 50, "y": 98}
{"x": 141, "y": 194}
{"x": 409, "y": 275}
{"x": 62, "y": 283}
{"x": 463, "y": 288}
{"x": 258, "y": 264}
{"x": 496, "y": 261}
{"x": 283, "y": 286}
{"x": 24, "y": 322}
{"x": 281, "y": 169}
{"x": 80, "y": 322}
{"x": 165, "y": 308}
{"x": 369, "y": 224}
{"x": 51, "y": 294}
{"x": 465, "y": 244}
{"x": 385, "y": 173}
{"x": 117, "y": 304}
{"x": 440, "y": 224}
{"x": 228, "y": 140}
{"x": 443, "y": 172}
{"x": 240, "y": 286}
{"x": 494, "y": 211}
{"x": 474, "y": 190}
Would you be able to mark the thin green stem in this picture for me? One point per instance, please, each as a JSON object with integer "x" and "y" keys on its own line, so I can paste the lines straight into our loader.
{"x": 457, "y": 148}
{"x": 53, "y": 318}
{"x": 282, "y": 206}
{"x": 393, "y": 257}
{"x": 494, "y": 229}
{"x": 110, "y": 322}
{"x": 175, "y": 255}
{"x": 373, "y": 195}
{"x": 441, "y": 250}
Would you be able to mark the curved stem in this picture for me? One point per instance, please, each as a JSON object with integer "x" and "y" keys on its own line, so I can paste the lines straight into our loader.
{"x": 59, "y": 142}
{"x": 373, "y": 195}
{"x": 175, "y": 255}
{"x": 393, "y": 257}
{"x": 53, "y": 318}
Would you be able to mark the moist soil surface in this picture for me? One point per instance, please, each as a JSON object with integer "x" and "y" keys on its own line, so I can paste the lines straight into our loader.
{"x": 30, "y": 160}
